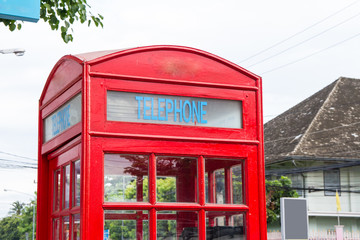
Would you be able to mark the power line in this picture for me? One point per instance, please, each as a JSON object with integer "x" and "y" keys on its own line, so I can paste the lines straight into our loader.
{"x": 310, "y": 55}
{"x": 14, "y": 155}
{"x": 294, "y": 35}
{"x": 319, "y": 131}
{"x": 304, "y": 41}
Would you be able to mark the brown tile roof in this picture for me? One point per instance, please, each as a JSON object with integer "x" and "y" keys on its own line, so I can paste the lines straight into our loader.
{"x": 327, "y": 124}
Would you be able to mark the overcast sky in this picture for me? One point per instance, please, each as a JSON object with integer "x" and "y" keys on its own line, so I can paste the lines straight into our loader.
{"x": 297, "y": 47}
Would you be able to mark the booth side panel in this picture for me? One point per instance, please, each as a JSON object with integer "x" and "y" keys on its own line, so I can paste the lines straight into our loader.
{"x": 92, "y": 219}
{"x": 261, "y": 162}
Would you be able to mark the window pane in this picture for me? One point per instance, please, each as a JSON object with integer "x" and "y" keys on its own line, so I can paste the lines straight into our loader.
{"x": 125, "y": 178}
{"x": 127, "y": 225}
{"x": 220, "y": 186}
{"x": 237, "y": 186}
{"x": 177, "y": 225}
{"x": 76, "y": 227}
{"x": 66, "y": 180}
{"x": 225, "y": 225}
{"x": 66, "y": 228}
{"x": 76, "y": 184}
{"x": 56, "y": 229}
{"x": 57, "y": 185}
{"x": 332, "y": 182}
{"x": 223, "y": 180}
{"x": 176, "y": 179}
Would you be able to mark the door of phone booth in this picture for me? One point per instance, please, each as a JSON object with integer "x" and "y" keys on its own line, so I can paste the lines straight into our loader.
{"x": 158, "y": 142}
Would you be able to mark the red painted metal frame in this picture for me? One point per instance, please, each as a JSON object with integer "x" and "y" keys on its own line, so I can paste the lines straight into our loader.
{"x": 99, "y": 136}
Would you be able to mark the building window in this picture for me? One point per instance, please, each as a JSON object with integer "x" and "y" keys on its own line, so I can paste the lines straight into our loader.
{"x": 332, "y": 182}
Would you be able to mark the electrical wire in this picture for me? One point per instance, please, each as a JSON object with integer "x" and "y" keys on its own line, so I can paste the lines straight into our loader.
{"x": 319, "y": 131}
{"x": 294, "y": 35}
{"x": 14, "y": 155}
{"x": 312, "y": 54}
{"x": 304, "y": 41}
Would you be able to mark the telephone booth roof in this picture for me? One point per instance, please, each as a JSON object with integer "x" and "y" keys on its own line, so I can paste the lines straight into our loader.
{"x": 168, "y": 64}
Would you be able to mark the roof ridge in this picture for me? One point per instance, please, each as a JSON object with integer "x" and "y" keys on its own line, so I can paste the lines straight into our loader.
{"x": 316, "y": 116}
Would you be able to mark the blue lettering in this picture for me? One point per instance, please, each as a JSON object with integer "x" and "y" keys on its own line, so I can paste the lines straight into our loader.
{"x": 153, "y": 117}
{"x": 167, "y": 109}
{"x": 146, "y": 117}
{"x": 202, "y": 112}
{"x": 178, "y": 110}
{"x": 195, "y": 112}
{"x": 186, "y": 103}
{"x": 139, "y": 99}
{"x": 161, "y": 109}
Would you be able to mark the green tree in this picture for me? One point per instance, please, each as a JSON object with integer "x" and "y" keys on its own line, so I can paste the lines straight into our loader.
{"x": 62, "y": 14}
{"x": 9, "y": 228}
{"x": 16, "y": 208}
{"x": 276, "y": 189}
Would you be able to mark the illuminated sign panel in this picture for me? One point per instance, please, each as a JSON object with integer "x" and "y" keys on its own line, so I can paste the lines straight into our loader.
{"x": 63, "y": 118}
{"x": 25, "y": 10}
{"x": 176, "y": 110}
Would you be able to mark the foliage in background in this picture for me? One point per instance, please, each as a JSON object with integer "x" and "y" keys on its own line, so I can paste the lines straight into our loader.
{"x": 276, "y": 189}
{"x": 61, "y": 14}
{"x": 15, "y": 226}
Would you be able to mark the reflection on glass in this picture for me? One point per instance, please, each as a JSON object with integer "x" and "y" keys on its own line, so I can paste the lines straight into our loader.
{"x": 76, "y": 184}
{"x": 125, "y": 178}
{"x": 76, "y": 227}
{"x": 220, "y": 186}
{"x": 176, "y": 179}
{"x": 237, "y": 184}
{"x": 57, "y": 185}
{"x": 223, "y": 181}
{"x": 66, "y": 228}
{"x": 56, "y": 229}
{"x": 66, "y": 186}
{"x": 225, "y": 225}
{"x": 126, "y": 225}
{"x": 177, "y": 225}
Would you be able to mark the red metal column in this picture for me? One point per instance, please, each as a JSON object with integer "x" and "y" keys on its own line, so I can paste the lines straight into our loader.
{"x": 152, "y": 196}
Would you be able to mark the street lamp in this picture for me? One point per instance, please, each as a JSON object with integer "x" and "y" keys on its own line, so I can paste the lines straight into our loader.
{"x": 10, "y": 190}
{"x": 16, "y": 51}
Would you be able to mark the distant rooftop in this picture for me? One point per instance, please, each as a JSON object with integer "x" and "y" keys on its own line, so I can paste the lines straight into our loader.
{"x": 325, "y": 125}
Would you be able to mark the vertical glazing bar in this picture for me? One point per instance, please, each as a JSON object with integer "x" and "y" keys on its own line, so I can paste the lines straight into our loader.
{"x": 202, "y": 225}
{"x": 211, "y": 187}
{"x": 228, "y": 186}
{"x": 139, "y": 225}
{"x": 201, "y": 179}
{"x": 139, "y": 189}
{"x": 152, "y": 179}
{"x": 152, "y": 224}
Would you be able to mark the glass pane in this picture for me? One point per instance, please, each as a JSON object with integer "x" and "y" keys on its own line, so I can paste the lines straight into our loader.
{"x": 177, "y": 225}
{"x": 76, "y": 227}
{"x": 237, "y": 186}
{"x": 220, "y": 186}
{"x": 125, "y": 178}
{"x": 57, "y": 185}
{"x": 76, "y": 184}
{"x": 223, "y": 180}
{"x": 176, "y": 179}
{"x": 56, "y": 229}
{"x": 225, "y": 225}
{"x": 66, "y": 180}
{"x": 66, "y": 228}
{"x": 126, "y": 225}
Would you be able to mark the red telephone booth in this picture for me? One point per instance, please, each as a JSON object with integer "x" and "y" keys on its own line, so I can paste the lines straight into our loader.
{"x": 159, "y": 142}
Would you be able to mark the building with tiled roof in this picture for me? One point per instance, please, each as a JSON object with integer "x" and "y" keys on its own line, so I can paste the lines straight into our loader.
{"x": 317, "y": 144}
